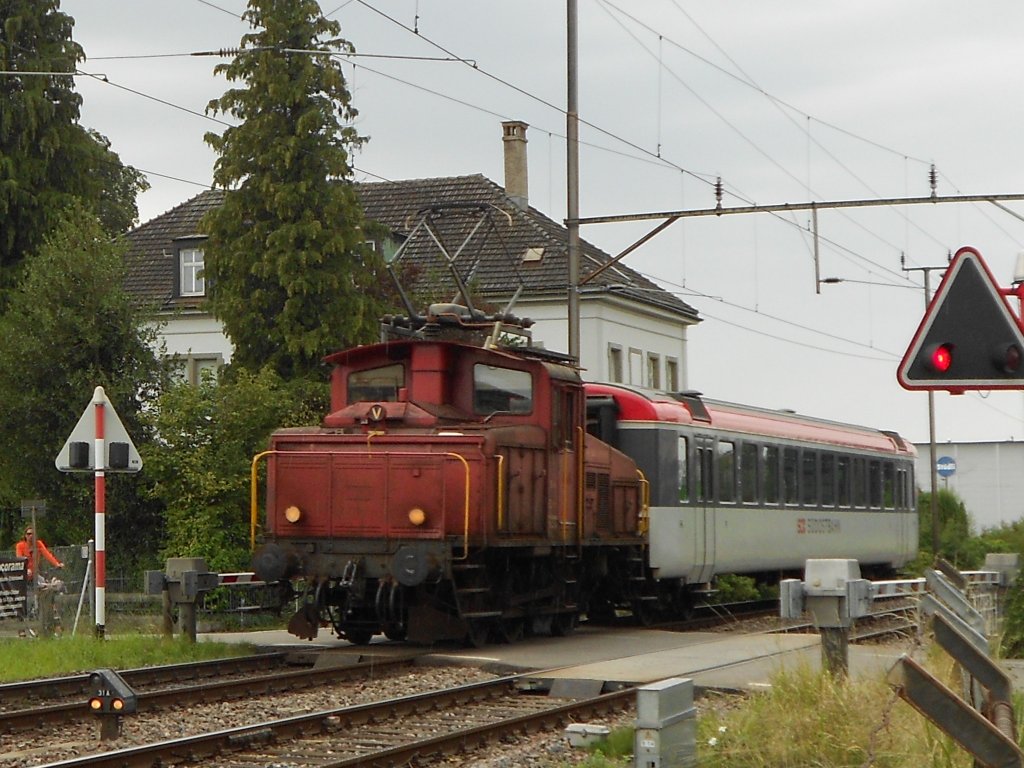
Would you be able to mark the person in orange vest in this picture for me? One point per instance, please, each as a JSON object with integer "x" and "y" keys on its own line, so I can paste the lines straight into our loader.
{"x": 24, "y": 549}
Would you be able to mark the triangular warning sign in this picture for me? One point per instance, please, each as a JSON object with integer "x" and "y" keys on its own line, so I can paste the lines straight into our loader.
{"x": 78, "y": 453}
{"x": 969, "y": 337}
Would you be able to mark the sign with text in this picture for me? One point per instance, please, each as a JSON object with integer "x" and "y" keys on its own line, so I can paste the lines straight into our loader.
{"x": 13, "y": 588}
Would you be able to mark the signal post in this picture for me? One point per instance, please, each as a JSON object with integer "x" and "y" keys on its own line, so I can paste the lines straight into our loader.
{"x": 111, "y": 450}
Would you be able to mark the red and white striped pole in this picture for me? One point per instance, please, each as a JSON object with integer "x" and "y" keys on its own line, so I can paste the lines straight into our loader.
{"x": 98, "y": 399}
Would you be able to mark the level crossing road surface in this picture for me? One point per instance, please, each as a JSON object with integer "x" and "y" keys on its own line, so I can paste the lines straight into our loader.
{"x": 626, "y": 655}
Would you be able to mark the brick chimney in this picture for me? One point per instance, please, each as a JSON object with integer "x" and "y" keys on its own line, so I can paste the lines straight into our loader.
{"x": 516, "y": 182}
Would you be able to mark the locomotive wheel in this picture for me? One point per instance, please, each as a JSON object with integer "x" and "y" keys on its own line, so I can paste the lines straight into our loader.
{"x": 644, "y": 612}
{"x": 397, "y": 632}
{"x": 601, "y": 613}
{"x": 478, "y": 633}
{"x": 358, "y": 636}
{"x": 563, "y": 624}
{"x": 511, "y": 630}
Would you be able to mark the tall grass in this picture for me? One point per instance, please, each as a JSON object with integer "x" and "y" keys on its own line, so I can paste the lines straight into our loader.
{"x": 810, "y": 720}
{"x": 27, "y": 658}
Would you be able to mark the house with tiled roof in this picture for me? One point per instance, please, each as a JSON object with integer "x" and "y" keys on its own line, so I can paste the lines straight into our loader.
{"x": 507, "y": 253}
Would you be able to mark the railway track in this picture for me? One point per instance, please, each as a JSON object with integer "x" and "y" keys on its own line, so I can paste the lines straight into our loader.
{"x": 890, "y": 617}
{"x": 15, "y": 695}
{"x": 392, "y": 732}
{"x": 63, "y": 700}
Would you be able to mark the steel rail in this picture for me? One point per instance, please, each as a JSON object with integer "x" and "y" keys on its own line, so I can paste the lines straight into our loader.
{"x": 223, "y": 690}
{"x": 78, "y": 685}
{"x": 198, "y": 749}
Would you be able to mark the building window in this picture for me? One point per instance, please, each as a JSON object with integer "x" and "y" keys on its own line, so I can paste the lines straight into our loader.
{"x": 636, "y": 367}
{"x": 193, "y": 369}
{"x": 653, "y": 371}
{"x": 615, "y": 364}
{"x": 191, "y": 280}
{"x": 671, "y": 374}
{"x": 533, "y": 254}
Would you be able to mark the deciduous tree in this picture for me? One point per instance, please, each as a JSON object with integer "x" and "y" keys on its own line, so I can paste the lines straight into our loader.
{"x": 199, "y": 465}
{"x": 47, "y": 158}
{"x": 69, "y": 328}
{"x": 290, "y": 274}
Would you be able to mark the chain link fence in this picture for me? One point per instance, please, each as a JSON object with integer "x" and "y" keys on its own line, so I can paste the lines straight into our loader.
{"x": 127, "y": 606}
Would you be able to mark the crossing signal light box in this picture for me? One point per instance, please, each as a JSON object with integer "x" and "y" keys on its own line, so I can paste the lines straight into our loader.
{"x": 969, "y": 337}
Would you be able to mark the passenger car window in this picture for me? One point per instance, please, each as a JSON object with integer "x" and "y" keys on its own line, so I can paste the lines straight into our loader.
{"x": 376, "y": 384}
{"x": 501, "y": 390}
{"x": 790, "y": 475}
{"x": 748, "y": 472}
{"x": 726, "y": 471}
{"x": 682, "y": 455}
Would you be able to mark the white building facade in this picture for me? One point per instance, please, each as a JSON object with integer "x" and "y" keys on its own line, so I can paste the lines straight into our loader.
{"x": 989, "y": 477}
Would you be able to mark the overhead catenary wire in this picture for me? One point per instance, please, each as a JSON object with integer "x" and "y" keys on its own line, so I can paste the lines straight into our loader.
{"x": 748, "y": 81}
{"x": 415, "y": 31}
{"x": 706, "y": 178}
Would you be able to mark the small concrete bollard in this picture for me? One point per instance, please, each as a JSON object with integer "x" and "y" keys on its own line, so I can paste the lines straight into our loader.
{"x": 184, "y": 580}
{"x": 834, "y": 594}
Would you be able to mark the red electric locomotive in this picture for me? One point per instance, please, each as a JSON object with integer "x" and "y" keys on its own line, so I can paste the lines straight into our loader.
{"x": 451, "y": 493}
{"x": 460, "y": 491}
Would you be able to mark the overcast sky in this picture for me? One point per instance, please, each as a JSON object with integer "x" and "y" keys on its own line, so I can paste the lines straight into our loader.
{"x": 785, "y": 101}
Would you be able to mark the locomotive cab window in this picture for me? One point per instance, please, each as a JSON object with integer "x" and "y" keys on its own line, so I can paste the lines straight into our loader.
{"x": 501, "y": 390}
{"x": 376, "y": 384}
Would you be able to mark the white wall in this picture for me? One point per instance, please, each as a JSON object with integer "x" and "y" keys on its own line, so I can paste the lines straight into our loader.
{"x": 989, "y": 478}
{"x": 611, "y": 321}
{"x": 604, "y": 321}
{"x": 195, "y": 334}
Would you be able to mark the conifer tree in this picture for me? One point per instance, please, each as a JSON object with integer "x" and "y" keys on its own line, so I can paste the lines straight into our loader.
{"x": 287, "y": 267}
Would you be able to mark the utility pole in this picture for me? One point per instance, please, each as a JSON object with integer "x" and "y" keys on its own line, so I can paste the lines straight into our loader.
{"x": 932, "y": 456}
{"x": 572, "y": 161}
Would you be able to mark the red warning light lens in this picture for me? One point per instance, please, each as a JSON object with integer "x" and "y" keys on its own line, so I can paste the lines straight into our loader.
{"x": 942, "y": 357}
{"x": 1012, "y": 359}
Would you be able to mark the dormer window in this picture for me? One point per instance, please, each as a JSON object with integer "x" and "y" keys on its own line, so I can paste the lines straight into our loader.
{"x": 533, "y": 254}
{"x": 190, "y": 274}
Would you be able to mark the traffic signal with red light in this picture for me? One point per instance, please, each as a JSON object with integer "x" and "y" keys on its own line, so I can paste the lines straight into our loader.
{"x": 111, "y": 694}
{"x": 941, "y": 357}
{"x": 969, "y": 337}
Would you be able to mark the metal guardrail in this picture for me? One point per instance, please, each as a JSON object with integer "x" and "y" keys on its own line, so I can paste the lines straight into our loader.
{"x": 982, "y": 721}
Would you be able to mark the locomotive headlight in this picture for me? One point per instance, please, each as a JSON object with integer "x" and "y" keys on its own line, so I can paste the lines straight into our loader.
{"x": 293, "y": 514}
{"x": 417, "y": 516}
